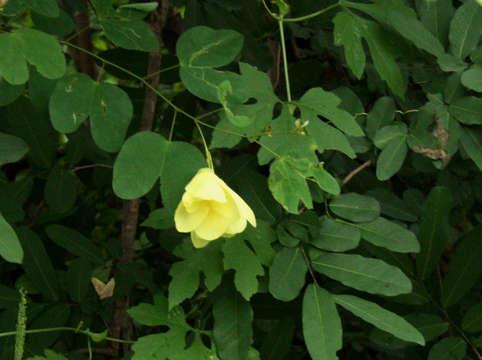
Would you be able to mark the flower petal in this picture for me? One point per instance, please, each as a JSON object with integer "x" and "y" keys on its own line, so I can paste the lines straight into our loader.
{"x": 205, "y": 185}
{"x": 191, "y": 203}
{"x": 236, "y": 226}
{"x": 243, "y": 208}
{"x": 212, "y": 227}
{"x": 197, "y": 241}
{"x": 186, "y": 221}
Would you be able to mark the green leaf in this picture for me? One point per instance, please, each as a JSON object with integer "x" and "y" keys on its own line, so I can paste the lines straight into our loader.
{"x": 205, "y": 82}
{"x": 138, "y": 165}
{"x": 160, "y": 346}
{"x": 8, "y": 92}
{"x": 391, "y": 158}
{"x": 413, "y": 30}
{"x": 449, "y": 63}
{"x": 464, "y": 269}
{"x": 59, "y": 26}
{"x": 185, "y": 274}
{"x": 35, "y": 47}
{"x": 347, "y": 33}
{"x": 233, "y": 316}
{"x": 131, "y": 34}
{"x": 242, "y": 176}
{"x": 326, "y": 181}
{"x": 472, "y": 78}
{"x": 317, "y": 101}
{"x": 37, "y": 264}
{"x": 260, "y": 239}
{"x": 287, "y": 182}
{"x": 287, "y": 274}
{"x": 149, "y": 314}
{"x": 110, "y": 116}
{"x": 392, "y": 206}
{"x": 12, "y": 149}
{"x": 49, "y": 355}
{"x": 34, "y": 128}
{"x": 10, "y": 247}
{"x": 322, "y": 329}
{"x": 436, "y": 16}
{"x": 146, "y": 7}
{"x": 434, "y": 228}
{"x": 465, "y": 29}
{"x": 180, "y": 162}
{"x": 384, "y": 58}
{"x": 390, "y": 235}
{"x": 471, "y": 141}
{"x": 287, "y": 140}
{"x": 472, "y": 321}
{"x": 61, "y": 190}
{"x": 159, "y": 219}
{"x": 225, "y": 134}
{"x": 335, "y": 236}
{"x": 365, "y": 274}
{"x": 388, "y": 134}
{"x": 75, "y": 242}
{"x": 47, "y": 8}
{"x": 202, "y": 46}
{"x": 70, "y": 102}
{"x": 329, "y": 138}
{"x": 355, "y": 207}
{"x": 224, "y": 97}
{"x": 256, "y": 85}
{"x": 431, "y": 326}
{"x": 158, "y": 314}
{"x": 449, "y": 348}
{"x": 13, "y": 196}
{"x": 77, "y": 97}
{"x": 240, "y": 258}
{"x": 468, "y": 110}
{"x": 78, "y": 276}
{"x": 380, "y": 317}
{"x": 381, "y": 114}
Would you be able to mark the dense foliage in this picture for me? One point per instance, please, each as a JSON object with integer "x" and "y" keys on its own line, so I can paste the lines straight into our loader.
{"x": 352, "y": 129}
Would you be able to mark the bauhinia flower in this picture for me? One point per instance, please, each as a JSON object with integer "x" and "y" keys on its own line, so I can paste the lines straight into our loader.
{"x": 210, "y": 209}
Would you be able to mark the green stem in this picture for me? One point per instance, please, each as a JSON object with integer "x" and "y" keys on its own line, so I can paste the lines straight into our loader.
{"x": 308, "y": 264}
{"x": 285, "y": 60}
{"x": 312, "y": 15}
{"x": 209, "y": 159}
{"x": 301, "y": 18}
{"x": 272, "y": 14}
{"x": 148, "y": 76}
{"x": 164, "y": 98}
{"x": 135, "y": 76}
{"x": 173, "y": 123}
{"x": 161, "y": 95}
{"x": 62, "y": 328}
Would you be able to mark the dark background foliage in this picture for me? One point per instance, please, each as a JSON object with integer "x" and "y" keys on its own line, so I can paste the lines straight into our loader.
{"x": 92, "y": 195}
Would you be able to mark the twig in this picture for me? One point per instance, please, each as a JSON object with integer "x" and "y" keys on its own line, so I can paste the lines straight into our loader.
{"x": 275, "y": 49}
{"x": 356, "y": 171}
{"x": 82, "y": 60}
{"x": 121, "y": 322}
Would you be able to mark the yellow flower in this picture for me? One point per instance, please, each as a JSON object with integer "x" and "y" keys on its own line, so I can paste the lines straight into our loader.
{"x": 210, "y": 209}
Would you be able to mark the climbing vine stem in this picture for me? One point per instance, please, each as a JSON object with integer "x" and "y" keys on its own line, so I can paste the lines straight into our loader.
{"x": 285, "y": 58}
